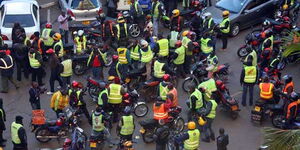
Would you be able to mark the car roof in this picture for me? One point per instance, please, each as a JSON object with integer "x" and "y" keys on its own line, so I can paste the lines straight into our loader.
{"x": 18, "y": 6}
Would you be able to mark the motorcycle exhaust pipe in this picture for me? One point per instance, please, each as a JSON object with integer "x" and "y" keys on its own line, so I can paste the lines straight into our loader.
{"x": 51, "y": 137}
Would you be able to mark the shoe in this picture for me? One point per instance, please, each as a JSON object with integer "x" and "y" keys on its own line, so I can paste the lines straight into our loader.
{"x": 49, "y": 93}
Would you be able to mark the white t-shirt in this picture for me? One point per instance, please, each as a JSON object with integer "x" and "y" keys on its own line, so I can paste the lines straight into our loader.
{"x": 65, "y": 24}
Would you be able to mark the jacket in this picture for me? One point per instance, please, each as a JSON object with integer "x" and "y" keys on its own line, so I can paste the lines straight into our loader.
{"x": 8, "y": 72}
{"x": 63, "y": 100}
{"x": 2, "y": 119}
{"x": 222, "y": 142}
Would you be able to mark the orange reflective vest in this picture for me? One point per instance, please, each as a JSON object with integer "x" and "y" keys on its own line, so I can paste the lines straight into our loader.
{"x": 266, "y": 90}
{"x": 160, "y": 112}
{"x": 291, "y": 105}
{"x": 175, "y": 97}
{"x": 291, "y": 84}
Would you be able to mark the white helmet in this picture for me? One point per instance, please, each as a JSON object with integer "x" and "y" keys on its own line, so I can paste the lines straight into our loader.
{"x": 144, "y": 43}
{"x": 75, "y": 33}
{"x": 80, "y": 32}
{"x": 207, "y": 15}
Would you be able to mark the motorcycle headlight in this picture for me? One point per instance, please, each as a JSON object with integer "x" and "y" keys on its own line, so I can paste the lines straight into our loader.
{"x": 191, "y": 71}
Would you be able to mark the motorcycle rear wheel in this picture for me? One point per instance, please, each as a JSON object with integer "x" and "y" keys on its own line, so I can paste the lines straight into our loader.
{"x": 141, "y": 110}
{"x": 79, "y": 68}
{"x": 187, "y": 83}
{"x": 179, "y": 124}
{"x": 42, "y": 132}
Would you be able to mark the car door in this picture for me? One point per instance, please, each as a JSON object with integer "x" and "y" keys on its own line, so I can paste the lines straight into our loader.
{"x": 63, "y": 4}
{"x": 36, "y": 14}
{"x": 248, "y": 14}
{"x": 262, "y": 9}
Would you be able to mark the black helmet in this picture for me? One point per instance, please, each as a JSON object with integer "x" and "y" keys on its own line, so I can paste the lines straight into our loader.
{"x": 294, "y": 96}
{"x": 287, "y": 78}
{"x": 127, "y": 110}
{"x": 98, "y": 111}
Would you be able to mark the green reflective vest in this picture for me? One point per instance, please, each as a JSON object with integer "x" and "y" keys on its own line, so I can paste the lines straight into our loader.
{"x": 100, "y": 100}
{"x": 146, "y": 56}
{"x": 97, "y": 124}
{"x": 61, "y": 50}
{"x": 210, "y": 86}
{"x": 158, "y": 69}
{"x": 212, "y": 113}
{"x": 250, "y": 74}
{"x": 212, "y": 62}
{"x": 80, "y": 45}
{"x": 194, "y": 140}
{"x": 181, "y": 56}
{"x": 199, "y": 102}
{"x": 48, "y": 41}
{"x": 163, "y": 91}
{"x": 204, "y": 46}
{"x": 103, "y": 56}
{"x": 119, "y": 31}
{"x": 254, "y": 58}
{"x": 114, "y": 96}
{"x": 128, "y": 125}
{"x": 222, "y": 24}
{"x": 34, "y": 63}
{"x": 78, "y": 92}
{"x": 271, "y": 38}
{"x": 14, "y": 132}
{"x": 208, "y": 24}
{"x": 122, "y": 53}
{"x": 67, "y": 72}
{"x": 163, "y": 47}
{"x": 134, "y": 53}
{"x": 155, "y": 9}
{"x": 26, "y": 40}
{"x": 185, "y": 41}
{"x": 173, "y": 38}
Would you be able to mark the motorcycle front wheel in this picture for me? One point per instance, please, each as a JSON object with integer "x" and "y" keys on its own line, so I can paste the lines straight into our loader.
{"x": 141, "y": 110}
{"x": 40, "y": 133}
{"x": 93, "y": 91}
{"x": 179, "y": 124}
{"x": 79, "y": 68}
{"x": 189, "y": 82}
{"x": 242, "y": 52}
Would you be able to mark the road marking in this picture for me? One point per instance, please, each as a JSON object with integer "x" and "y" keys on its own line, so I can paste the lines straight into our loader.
{"x": 48, "y": 4}
{"x": 48, "y": 16}
{"x": 237, "y": 93}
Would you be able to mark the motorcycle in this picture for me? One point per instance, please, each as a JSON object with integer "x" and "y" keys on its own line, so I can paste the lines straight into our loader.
{"x": 98, "y": 141}
{"x": 197, "y": 6}
{"x": 227, "y": 102}
{"x": 261, "y": 111}
{"x": 125, "y": 145}
{"x": 148, "y": 89}
{"x": 222, "y": 72}
{"x": 80, "y": 64}
{"x": 198, "y": 73}
{"x": 93, "y": 87}
{"x": 149, "y": 127}
{"x": 252, "y": 40}
{"x": 79, "y": 139}
{"x": 279, "y": 121}
{"x": 134, "y": 29}
{"x": 138, "y": 106}
{"x": 281, "y": 25}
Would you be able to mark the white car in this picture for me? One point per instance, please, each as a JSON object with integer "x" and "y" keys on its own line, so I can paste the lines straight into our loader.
{"x": 26, "y": 12}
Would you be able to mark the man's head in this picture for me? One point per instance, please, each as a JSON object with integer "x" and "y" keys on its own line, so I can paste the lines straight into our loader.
{"x": 192, "y": 88}
{"x": 36, "y": 35}
{"x": 19, "y": 119}
{"x": 221, "y": 131}
{"x": 63, "y": 13}
{"x": 34, "y": 84}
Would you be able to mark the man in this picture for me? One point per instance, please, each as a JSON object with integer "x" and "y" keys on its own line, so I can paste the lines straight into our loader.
{"x": 2, "y": 123}
{"x": 161, "y": 137}
{"x": 18, "y": 134}
{"x": 35, "y": 61}
{"x": 213, "y": 62}
{"x": 208, "y": 86}
{"x": 172, "y": 95}
{"x": 157, "y": 9}
{"x": 162, "y": 46}
{"x": 34, "y": 96}
{"x": 55, "y": 67}
{"x": 249, "y": 76}
{"x": 210, "y": 114}
{"x": 64, "y": 26}
{"x": 207, "y": 45}
{"x": 121, "y": 31}
{"x": 137, "y": 12}
{"x": 7, "y": 70}
{"x": 208, "y": 22}
{"x": 288, "y": 86}
{"x": 163, "y": 87}
{"x": 98, "y": 122}
{"x": 47, "y": 35}
{"x": 188, "y": 45}
{"x": 80, "y": 42}
{"x": 124, "y": 62}
{"x": 161, "y": 68}
{"x": 97, "y": 60}
{"x": 176, "y": 21}
{"x": 148, "y": 29}
{"x": 266, "y": 90}
{"x": 59, "y": 101}
{"x": 58, "y": 45}
{"x": 222, "y": 140}
{"x": 160, "y": 110}
{"x": 22, "y": 61}
{"x": 189, "y": 139}
{"x": 108, "y": 34}
{"x": 18, "y": 34}
{"x": 195, "y": 101}
{"x": 38, "y": 43}
{"x": 292, "y": 110}
{"x": 126, "y": 125}
{"x": 251, "y": 57}
{"x": 135, "y": 52}
{"x": 186, "y": 4}
{"x": 224, "y": 28}
{"x": 103, "y": 96}
{"x": 66, "y": 70}
{"x": 146, "y": 55}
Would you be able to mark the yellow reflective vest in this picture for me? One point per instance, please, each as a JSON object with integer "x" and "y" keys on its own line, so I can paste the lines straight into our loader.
{"x": 67, "y": 68}
{"x": 250, "y": 74}
{"x": 158, "y": 69}
{"x": 163, "y": 47}
{"x": 34, "y": 63}
{"x": 114, "y": 95}
{"x": 192, "y": 143}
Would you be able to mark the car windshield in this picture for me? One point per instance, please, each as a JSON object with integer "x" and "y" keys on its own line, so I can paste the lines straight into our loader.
{"x": 84, "y": 4}
{"x": 24, "y": 20}
{"x": 233, "y": 6}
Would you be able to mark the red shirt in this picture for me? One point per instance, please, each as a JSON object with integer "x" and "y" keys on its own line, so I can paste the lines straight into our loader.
{"x": 96, "y": 62}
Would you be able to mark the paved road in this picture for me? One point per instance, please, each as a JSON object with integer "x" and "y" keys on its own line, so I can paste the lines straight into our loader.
{"x": 243, "y": 135}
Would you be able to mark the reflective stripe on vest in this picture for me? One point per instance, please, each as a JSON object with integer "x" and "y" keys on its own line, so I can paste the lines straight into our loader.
{"x": 146, "y": 56}
{"x": 2, "y": 114}
{"x": 192, "y": 143}
{"x": 163, "y": 47}
{"x": 34, "y": 63}
{"x": 266, "y": 90}
{"x": 185, "y": 41}
{"x": 291, "y": 84}
{"x": 199, "y": 101}
{"x": 250, "y": 74}
{"x": 61, "y": 50}
{"x": 293, "y": 104}
{"x": 5, "y": 64}
{"x": 122, "y": 53}
{"x": 14, "y": 132}
{"x": 163, "y": 91}
{"x": 119, "y": 31}
{"x": 48, "y": 41}
{"x": 67, "y": 68}
{"x": 134, "y": 53}
{"x": 180, "y": 56}
{"x": 271, "y": 38}
{"x": 97, "y": 123}
{"x": 80, "y": 44}
{"x": 56, "y": 102}
{"x": 204, "y": 46}
{"x": 174, "y": 94}
{"x": 158, "y": 69}
{"x": 114, "y": 96}
{"x": 128, "y": 125}
{"x": 212, "y": 113}
{"x": 173, "y": 38}
{"x": 159, "y": 112}
{"x": 100, "y": 100}
{"x": 254, "y": 58}
{"x": 222, "y": 24}
{"x": 208, "y": 24}
{"x": 26, "y": 40}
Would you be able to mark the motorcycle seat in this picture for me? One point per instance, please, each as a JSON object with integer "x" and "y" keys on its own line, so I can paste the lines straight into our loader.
{"x": 51, "y": 123}
{"x": 81, "y": 57}
{"x": 149, "y": 123}
{"x": 185, "y": 12}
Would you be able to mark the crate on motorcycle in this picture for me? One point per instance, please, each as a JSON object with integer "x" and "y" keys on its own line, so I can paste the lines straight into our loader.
{"x": 256, "y": 116}
{"x": 38, "y": 117}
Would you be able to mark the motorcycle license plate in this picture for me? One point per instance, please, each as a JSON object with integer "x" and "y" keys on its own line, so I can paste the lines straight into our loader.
{"x": 257, "y": 108}
{"x": 234, "y": 108}
{"x": 142, "y": 130}
{"x": 86, "y": 22}
{"x": 93, "y": 144}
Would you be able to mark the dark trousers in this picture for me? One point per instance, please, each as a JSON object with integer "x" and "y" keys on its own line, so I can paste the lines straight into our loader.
{"x": 85, "y": 112}
{"x": 160, "y": 146}
{"x": 65, "y": 35}
{"x": 180, "y": 71}
{"x": 66, "y": 81}
{"x": 22, "y": 66}
{"x": 224, "y": 38}
{"x": 126, "y": 137}
{"x": 98, "y": 73}
{"x": 4, "y": 81}
{"x": 187, "y": 63}
{"x": 208, "y": 3}
{"x": 58, "y": 111}
{"x": 55, "y": 76}
{"x": 36, "y": 105}
{"x": 245, "y": 90}
{"x": 19, "y": 148}
{"x": 208, "y": 132}
{"x": 37, "y": 74}
{"x": 1, "y": 137}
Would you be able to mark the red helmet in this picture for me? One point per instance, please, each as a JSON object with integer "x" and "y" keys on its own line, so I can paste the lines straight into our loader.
{"x": 287, "y": 19}
{"x": 75, "y": 84}
{"x": 220, "y": 84}
{"x": 126, "y": 96}
{"x": 59, "y": 122}
{"x": 67, "y": 142}
{"x": 115, "y": 57}
{"x": 48, "y": 25}
{"x": 117, "y": 80}
{"x": 50, "y": 51}
{"x": 196, "y": 3}
{"x": 166, "y": 77}
{"x": 178, "y": 43}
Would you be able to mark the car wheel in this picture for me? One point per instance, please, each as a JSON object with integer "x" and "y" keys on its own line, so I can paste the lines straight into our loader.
{"x": 235, "y": 29}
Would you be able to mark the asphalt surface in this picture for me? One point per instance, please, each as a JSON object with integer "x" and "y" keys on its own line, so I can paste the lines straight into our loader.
{"x": 243, "y": 135}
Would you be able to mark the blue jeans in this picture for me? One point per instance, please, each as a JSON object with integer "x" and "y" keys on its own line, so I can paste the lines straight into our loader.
{"x": 245, "y": 90}
{"x": 97, "y": 73}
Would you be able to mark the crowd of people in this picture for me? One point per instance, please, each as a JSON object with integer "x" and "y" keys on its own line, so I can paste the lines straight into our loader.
{"x": 155, "y": 57}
